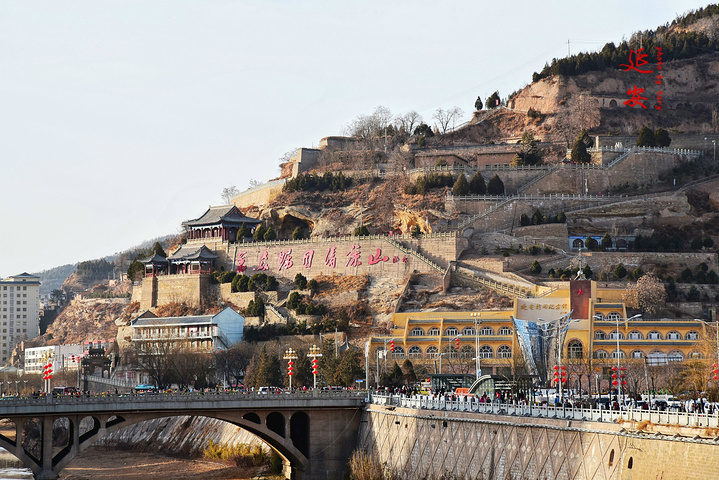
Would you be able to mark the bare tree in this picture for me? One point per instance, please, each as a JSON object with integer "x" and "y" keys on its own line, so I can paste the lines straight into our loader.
{"x": 193, "y": 368}
{"x": 228, "y": 193}
{"x": 447, "y": 117}
{"x": 368, "y": 127}
{"x": 407, "y": 122}
{"x": 579, "y": 113}
{"x": 157, "y": 359}
{"x": 648, "y": 294}
{"x": 233, "y": 362}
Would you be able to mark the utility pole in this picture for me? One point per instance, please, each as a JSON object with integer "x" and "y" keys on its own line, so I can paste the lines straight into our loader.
{"x": 569, "y": 53}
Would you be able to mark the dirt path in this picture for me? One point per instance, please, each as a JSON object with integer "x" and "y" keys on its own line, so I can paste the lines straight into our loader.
{"x": 102, "y": 464}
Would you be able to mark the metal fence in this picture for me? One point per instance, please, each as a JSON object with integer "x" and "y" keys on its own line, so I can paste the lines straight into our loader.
{"x": 467, "y": 404}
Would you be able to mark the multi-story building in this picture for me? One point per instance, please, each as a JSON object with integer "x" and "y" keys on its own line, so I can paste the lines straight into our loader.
{"x": 19, "y": 311}
{"x": 202, "y": 333}
{"x": 596, "y": 333}
{"x": 62, "y": 357}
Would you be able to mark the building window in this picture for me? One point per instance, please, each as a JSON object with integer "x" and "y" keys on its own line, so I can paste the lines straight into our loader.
{"x": 692, "y": 336}
{"x": 432, "y": 351}
{"x": 417, "y": 332}
{"x": 398, "y": 352}
{"x": 486, "y": 331}
{"x": 451, "y": 331}
{"x": 635, "y": 335}
{"x": 674, "y": 335}
{"x": 505, "y": 331}
{"x": 504, "y": 351}
{"x": 637, "y": 354}
{"x": 696, "y": 355}
{"x": 468, "y": 331}
{"x": 485, "y": 351}
{"x": 466, "y": 352}
{"x": 600, "y": 354}
{"x": 654, "y": 335}
{"x": 618, "y": 354}
{"x": 614, "y": 317}
{"x": 575, "y": 349}
{"x": 434, "y": 331}
{"x": 599, "y": 335}
{"x": 675, "y": 356}
{"x": 614, "y": 335}
{"x": 415, "y": 352}
{"x": 599, "y": 316}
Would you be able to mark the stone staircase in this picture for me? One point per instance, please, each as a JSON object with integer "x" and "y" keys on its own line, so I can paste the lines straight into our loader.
{"x": 414, "y": 253}
{"x": 466, "y": 223}
{"x": 549, "y": 171}
{"x": 505, "y": 283}
{"x": 273, "y": 315}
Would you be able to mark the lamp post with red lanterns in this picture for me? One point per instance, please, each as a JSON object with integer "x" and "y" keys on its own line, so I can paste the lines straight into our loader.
{"x": 289, "y": 356}
{"x": 313, "y": 354}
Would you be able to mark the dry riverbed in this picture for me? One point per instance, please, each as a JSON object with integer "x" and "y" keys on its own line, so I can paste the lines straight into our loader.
{"x": 115, "y": 464}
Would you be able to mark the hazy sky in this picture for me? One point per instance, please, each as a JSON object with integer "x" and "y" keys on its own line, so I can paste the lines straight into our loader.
{"x": 121, "y": 119}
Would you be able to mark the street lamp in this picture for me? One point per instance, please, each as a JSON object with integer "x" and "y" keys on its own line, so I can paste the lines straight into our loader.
{"x": 441, "y": 353}
{"x": 619, "y": 381}
{"x": 289, "y": 356}
{"x": 313, "y": 354}
{"x": 384, "y": 353}
{"x": 477, "y": 365}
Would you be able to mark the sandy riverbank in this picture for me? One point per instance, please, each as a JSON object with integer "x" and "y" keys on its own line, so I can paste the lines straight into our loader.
{"x": 104, "y": 464}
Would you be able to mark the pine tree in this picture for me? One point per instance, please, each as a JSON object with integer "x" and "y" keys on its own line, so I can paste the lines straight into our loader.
{"x": 661, "y": 138}
{"x": 477, "y": 186}
{"x": 646, "y": 138}
{"x": 461, "y": 187}
{"x": 495, "y": 186}
{"x": 478, "y": 104}
{"x": 579, "y": 152}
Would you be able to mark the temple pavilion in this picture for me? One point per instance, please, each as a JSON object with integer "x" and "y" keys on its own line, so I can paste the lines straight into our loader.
{"x": 186, "y": 259}
{"x": 219, "y": 223}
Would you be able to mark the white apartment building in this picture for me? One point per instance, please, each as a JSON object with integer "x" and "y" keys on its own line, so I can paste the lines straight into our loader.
{"x": 19, "y": 311}
{"x": 201, "y": 333}
{"x": 62, "y": 357}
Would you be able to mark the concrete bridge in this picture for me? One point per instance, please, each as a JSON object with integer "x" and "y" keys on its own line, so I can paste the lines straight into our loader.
{"x": 315, "y": 434}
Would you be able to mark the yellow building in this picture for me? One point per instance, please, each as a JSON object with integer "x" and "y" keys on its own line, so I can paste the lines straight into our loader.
{"x": 447, "y": 341}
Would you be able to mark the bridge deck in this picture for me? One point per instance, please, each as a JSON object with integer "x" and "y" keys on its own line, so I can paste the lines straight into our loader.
{"x": 189, "y": 402}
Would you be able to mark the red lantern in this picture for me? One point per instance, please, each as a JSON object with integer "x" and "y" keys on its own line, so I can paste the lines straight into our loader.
{"x": 456, "y": 343}
{"x": 391, "y": 346}
{"x": 314, "y": 366}
{"x": 289, "y": 368}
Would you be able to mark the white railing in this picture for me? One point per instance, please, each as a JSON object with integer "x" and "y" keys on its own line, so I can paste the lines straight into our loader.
{"x": 466, "y": 404}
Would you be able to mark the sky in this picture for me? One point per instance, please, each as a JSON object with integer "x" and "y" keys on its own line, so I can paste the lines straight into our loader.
{"x": 121, "y": 119}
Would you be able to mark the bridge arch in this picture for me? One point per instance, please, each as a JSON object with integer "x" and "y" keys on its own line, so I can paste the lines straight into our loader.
{"x": 295, "y": 459}
{"x": 332, "y": 422}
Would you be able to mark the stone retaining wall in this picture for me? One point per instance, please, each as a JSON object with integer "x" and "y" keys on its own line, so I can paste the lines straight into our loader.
{"x": 428, "y": 444}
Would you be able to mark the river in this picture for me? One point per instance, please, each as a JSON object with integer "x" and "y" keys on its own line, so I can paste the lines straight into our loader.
{"x": 11, "y": 468}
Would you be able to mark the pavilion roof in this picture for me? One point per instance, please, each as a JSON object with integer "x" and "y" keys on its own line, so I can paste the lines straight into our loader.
{"x": 223, "y": 214}
{"x": 189, "y": 253}
{"x": 154, "y": 259}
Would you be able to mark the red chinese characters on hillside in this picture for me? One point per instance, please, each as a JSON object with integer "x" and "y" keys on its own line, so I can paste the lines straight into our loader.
{"x": 637, "y": 62}
{"x": 286, "y": 262}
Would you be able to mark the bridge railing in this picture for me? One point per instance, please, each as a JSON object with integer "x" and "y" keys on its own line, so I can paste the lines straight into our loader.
{"x": 166, "y": 397}
{"x": 442, "y": 403}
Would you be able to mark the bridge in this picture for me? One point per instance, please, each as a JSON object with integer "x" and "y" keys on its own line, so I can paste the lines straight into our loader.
{"x": 314, "y": 433}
